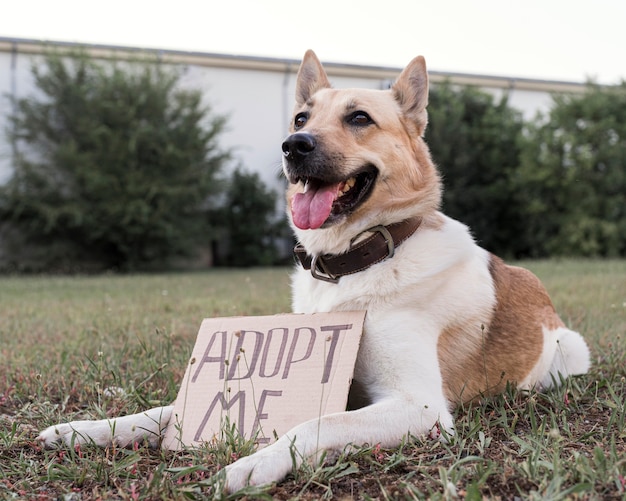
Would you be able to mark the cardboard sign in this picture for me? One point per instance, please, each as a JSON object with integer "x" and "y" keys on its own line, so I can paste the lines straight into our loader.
{"x": 264, "y": 375}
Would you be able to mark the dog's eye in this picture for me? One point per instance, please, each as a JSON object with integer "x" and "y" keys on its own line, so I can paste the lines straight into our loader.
{"x": 300, "y": 120}
{"x": 360, "y": 118}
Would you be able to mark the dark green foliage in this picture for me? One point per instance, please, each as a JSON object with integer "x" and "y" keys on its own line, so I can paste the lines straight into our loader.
{"x": 252, "y": 225}
{"x": 573, "y": 176}
{"x": 117, "y": 169}
{"x": 475, "y": 143}
{"x": 554, "y": 187}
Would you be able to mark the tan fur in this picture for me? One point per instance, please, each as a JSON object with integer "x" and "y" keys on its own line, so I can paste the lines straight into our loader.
{"x": 400, "y": 118}
{"x": 508, "y": 344}
{"x": 419, "y": 182}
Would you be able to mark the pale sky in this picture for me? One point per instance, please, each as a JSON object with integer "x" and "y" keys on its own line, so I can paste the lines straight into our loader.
{"x": 567, "y": 40}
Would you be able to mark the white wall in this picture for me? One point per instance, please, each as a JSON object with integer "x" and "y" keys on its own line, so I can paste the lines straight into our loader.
{"x": 253, "y": 104}
{"x": 530, "y": 103}
{"x": 6, "y": 79}
{"x": 258, "y": 104}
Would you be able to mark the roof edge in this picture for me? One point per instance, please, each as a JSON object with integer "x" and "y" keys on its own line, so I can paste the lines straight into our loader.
{"x": 173, "y": 56}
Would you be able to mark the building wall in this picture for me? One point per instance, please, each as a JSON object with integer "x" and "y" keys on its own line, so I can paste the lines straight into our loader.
{"x": 256, "y": 94}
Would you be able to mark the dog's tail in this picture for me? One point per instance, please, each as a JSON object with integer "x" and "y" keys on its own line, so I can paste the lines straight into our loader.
{"x": 571, "y": 357}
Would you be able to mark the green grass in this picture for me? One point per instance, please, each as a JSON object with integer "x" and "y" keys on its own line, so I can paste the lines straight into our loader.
{"x": 64, "y": 340}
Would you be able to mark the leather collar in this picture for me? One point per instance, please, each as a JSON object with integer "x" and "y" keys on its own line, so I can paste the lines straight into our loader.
{"x": 379, "y": 246}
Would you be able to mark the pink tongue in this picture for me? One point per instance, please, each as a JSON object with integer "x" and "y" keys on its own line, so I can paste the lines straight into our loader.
{"x": 309, "y": 210}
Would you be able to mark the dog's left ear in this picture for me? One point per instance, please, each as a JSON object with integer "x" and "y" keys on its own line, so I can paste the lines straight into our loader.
{"x": 311, "y": 78}
{"x": 411, "y": 92}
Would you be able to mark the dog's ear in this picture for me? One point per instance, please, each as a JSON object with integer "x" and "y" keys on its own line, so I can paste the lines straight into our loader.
{"x": 411, "y": 92}
{"x": 311, "y": 78}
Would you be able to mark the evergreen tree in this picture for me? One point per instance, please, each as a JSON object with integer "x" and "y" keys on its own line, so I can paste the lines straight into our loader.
{"x": 253, "y": 226}
{"x": 573, "y": 175}
{"x": 475, "y": 143}
{"x": 118, "y": 167}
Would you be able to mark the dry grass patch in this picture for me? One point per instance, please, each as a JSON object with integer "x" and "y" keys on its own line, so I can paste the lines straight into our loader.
{"x": 64, "y": 340}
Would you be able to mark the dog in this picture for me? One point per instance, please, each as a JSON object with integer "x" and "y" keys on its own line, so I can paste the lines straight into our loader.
{"x": 447, "y": 322}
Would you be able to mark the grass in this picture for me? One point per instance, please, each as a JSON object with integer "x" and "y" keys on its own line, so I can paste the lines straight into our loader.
{"x": 63, "y": 341}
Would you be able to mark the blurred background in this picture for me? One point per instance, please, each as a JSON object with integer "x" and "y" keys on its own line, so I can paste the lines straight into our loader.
{"x": 146, "y": 135}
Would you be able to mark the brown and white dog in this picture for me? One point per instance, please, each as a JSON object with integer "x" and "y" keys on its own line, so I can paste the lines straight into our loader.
{"x": 447, "y": 322}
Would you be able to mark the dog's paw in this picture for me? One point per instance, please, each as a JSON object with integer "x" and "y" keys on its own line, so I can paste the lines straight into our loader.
{"x": 77, "y": 432}
{"x": 123, "y": 431}
{"x": 58, "y": 434}
{"x": 442, "y": 427}
{"x": 269, "y": 465}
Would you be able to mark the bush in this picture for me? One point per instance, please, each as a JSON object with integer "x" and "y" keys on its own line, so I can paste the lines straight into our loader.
{"x": 118, "y": 168}
{"x": 253, "y": 228}
{"x": 475, "y": 143}
{"x": 573, "y": 176}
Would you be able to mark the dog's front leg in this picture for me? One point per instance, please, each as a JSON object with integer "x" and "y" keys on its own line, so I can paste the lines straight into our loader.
{"x": 122, "y": 431}
{"x": 386, "y": 422}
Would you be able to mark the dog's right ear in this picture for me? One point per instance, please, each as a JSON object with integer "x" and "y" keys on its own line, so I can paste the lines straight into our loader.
{"x": 311, "y": 78}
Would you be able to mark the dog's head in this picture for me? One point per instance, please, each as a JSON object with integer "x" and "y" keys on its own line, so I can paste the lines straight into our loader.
{"x": 356, "y": 156}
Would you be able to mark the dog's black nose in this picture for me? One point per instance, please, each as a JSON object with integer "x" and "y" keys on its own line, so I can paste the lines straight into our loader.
{"x": 298, "y": 145}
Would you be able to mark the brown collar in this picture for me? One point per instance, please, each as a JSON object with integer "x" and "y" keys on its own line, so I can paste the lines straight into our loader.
{"x": 379, "y": 246}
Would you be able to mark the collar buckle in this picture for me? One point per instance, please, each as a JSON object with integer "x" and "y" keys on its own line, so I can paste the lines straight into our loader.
{"x": 317, "y": 266}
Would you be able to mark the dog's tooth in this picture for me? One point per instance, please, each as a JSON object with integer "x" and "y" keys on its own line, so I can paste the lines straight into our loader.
{"x": 347, "y": 185}
{"x": 306, "y": 186}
